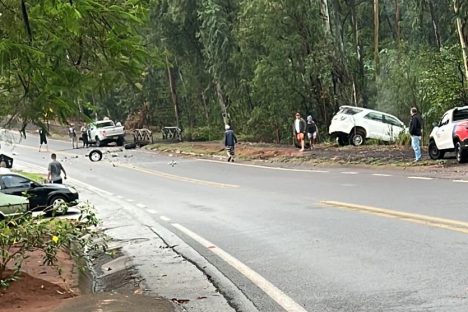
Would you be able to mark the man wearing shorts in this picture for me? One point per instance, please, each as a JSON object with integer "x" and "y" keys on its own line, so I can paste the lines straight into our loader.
{"x": 311, "y": 131}
{"x": 43, "y": 138}
{"x": 299, "y": 129}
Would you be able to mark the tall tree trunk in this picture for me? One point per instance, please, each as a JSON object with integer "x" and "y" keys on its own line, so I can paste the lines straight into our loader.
{"x": 340, "y": 72}
{"x": 397, "y": 24}
{"x": 359, "y": 82}
{"x": 435, "y": 24}
{"x": 325, "y": 17}
{"x": 463, "y": 34}
{"x": 172, "y": 86}
{"x": 222, "y": 102}
{"x": 376, "y": 36}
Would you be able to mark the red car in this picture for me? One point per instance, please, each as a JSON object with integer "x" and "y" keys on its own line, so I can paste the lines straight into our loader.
{"x": 450, "y": 135}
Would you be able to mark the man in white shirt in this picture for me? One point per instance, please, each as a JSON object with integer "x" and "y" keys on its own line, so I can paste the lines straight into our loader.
{"x": 299, "y": 129}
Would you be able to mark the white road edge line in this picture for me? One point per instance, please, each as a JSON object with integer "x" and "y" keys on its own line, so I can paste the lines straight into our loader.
{"x": 420, "y": 178}
{"x": 460, "y": 181}
{"x": 349, "y": 172}
{"x": 263, "y": 167}
{"x": 381, "y": 175}
{"x": 165, "y": 218}
{"x": 271, "y": 290}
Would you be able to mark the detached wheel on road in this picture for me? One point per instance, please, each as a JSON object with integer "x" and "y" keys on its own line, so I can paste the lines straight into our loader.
{"x": 462, "y": 154}
{"x": 95, "y": 155}
{"x": 434, "y": 152}
{"x": 357, "y": 137}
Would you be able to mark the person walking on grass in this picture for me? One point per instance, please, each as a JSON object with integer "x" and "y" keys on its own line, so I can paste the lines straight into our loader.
{"x": 299, "y": 129}
{"x": 415, "y": 130}
{"x": 230, "y": 141}
{"x": 55, "y": 171}
{"x": 43, "y": 138}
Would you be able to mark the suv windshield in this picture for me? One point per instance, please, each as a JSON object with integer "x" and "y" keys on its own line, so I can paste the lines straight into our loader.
{"x": 105, "y": 124}
{"x": 349, "y": 110}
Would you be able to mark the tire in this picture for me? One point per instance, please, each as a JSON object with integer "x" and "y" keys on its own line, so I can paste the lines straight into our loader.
{"x": 357, "y": 137}
{"x": 95, "y": 155}
{"x": 342, "y": 140}
{"x": 434, "y": 152}
{"x": 56, "y": 206}
{"x": 462, "y": 154}
{"x": 120, "y": 141}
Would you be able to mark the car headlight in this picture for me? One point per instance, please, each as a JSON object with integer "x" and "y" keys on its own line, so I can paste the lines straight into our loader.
{"x": 72, "y": 190}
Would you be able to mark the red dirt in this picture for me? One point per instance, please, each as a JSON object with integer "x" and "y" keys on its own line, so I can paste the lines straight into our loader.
{"x": 41, "y": 288}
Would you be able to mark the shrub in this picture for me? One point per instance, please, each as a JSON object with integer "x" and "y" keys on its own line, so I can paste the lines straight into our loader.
{"x": 206, "y": 133}
{"x": 22, "y": 234}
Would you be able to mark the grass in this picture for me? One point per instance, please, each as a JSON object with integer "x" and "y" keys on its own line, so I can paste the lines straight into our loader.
{"x": 37, "y": 177}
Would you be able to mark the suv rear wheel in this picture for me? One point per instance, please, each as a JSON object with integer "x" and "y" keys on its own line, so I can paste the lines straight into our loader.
{"x": 357, "y": 137}
{"x": 434, "y": 152}
{"x": 462, "y": 154}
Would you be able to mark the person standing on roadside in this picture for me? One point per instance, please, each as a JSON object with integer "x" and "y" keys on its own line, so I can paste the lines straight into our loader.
{"x": 230, "y": 141}
{"x": 43, "y": 138}
{"x": 299, "y": 129}
{"x": 415, "y": 130}
{"x": 72, "y": 135}
{"x": 84, "y": 135}
{"x": 311, "y": 131}
{"x": 55, "y": 171}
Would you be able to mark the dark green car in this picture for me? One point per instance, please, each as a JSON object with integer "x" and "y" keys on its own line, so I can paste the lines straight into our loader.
{"x": 11, "y": 205}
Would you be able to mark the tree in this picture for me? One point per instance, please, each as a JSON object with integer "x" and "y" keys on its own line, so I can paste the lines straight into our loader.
{"x": 55, "y": 53}
{"x": 461, "y": 11}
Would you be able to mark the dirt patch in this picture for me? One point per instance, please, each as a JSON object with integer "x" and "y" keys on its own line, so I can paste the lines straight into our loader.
{"x": 396, "y": 157}
{"x": 40, "y": 287}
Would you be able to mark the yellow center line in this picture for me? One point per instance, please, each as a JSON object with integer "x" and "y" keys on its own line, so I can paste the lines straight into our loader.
{"x": 179, "y": 178}
{"x": 152, "y": 172}
{"x": 448, "y": 224}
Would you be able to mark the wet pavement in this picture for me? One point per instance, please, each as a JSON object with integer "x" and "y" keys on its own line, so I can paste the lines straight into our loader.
{"x": 115, "y": 302}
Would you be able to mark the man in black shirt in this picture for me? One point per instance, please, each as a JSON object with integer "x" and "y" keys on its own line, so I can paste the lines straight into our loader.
{"x": 415, "y": 130}
{"x": 230, "y": 141}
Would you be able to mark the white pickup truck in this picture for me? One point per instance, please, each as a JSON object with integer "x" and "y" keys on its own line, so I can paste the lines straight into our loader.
{"x": 105, "y": 131}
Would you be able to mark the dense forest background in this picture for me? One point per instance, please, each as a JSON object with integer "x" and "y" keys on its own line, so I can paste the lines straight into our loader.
{"x": 250, "y": 63}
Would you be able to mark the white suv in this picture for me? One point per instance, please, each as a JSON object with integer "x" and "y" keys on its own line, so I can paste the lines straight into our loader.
{"x": 356, "y": 124}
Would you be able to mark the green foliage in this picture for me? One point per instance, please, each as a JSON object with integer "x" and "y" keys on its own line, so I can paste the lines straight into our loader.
{"x": 23, "y": 234}
{"x": 427, "y": 79}
{"x": 65, "y": 51}
{"x": 203, "y": 133}
{"x": 257, "y": 61}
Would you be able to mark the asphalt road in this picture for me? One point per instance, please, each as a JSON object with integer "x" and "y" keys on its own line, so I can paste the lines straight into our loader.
{"x": 299, "y": 240}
